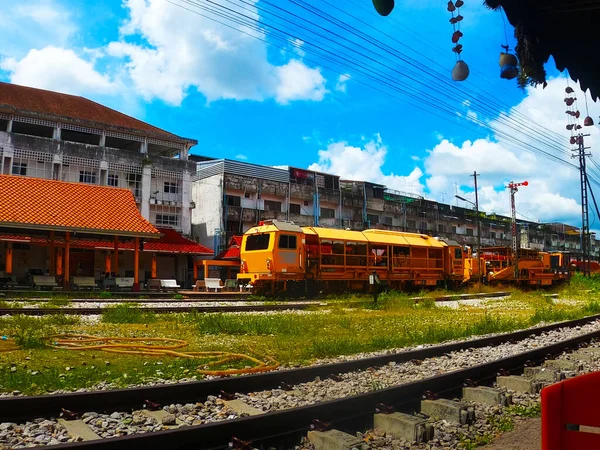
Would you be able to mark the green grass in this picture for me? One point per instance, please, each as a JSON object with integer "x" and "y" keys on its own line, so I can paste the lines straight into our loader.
{"x": 289, "y": 337}
{"x": 127, "y": 313}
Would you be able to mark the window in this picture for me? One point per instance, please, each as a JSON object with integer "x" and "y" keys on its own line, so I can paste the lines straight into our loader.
{"x": 469, "y": 232}
{"x": 87, "y": 176}
{"x": 356, "y": 254}
{"x": 257, "y": 242}
{"x": 332, "y": 253}
{"x": 411, "y": 224}
{"x": 377, "y": 192}
{"x": 231, "y": 200}
{"x": 135, "y": 183}
{"x": 113, "y": 180}
{"x": 388, "y": 220}
{"x": 170, "y": 220}
{"x": 458, "y": 253}
{"x": 328, "y": 213}
{"x": 453, "y": 230}
{"x": 19, "y": 169}
{"x": 441, "y": 228}
{"x": 305, "y": 202}
{"x": 247, "y": 195}
{"x": 294, "y": 208}
{"x": 287, "y": 241}
{"x": 171, "y": 187}
{"x": 271, "y": 205}
{"x": 373, "y": 219}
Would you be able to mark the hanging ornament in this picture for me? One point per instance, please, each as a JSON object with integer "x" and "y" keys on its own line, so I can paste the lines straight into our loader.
{"x": 509, "y": 68}
{"x": 460, "y": 72}
{"x": 572, "y": 140}
{"x": 569, "y": 90}
{"x": 384, "y": 7}
{"x": 588, "y": 121}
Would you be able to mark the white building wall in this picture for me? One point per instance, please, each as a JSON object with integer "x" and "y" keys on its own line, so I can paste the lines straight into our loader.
{"x": 207, "y": 194}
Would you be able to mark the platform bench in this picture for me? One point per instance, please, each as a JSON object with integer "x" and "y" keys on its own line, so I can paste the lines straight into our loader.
{"x": 84, "y": 283}
{"x": 213, "y": 283}
{"x": 153, "y": 283}
{"x": 42, "y": 281}
{"x": 124, "y": 282}
{"x": 169, "y": 284}
{"x": 162, "y": 284}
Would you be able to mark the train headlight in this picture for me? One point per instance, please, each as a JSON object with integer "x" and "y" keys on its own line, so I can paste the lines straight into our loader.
{"x": 268, "y": 264}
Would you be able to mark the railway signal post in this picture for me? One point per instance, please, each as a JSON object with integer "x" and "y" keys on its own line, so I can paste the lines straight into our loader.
{"x": 513, "y": 190}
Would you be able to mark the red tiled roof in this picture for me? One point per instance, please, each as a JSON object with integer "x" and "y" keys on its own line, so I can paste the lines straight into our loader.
{"x": 169, "y": 242}
{"x": 57, "y": 205}
{"x": 55, "y": 105}
{"x": 173, "y": 242}
{"x": 233, "y": 251}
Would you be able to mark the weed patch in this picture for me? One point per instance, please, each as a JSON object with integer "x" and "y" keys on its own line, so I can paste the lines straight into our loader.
{"x": 127, "y": 313}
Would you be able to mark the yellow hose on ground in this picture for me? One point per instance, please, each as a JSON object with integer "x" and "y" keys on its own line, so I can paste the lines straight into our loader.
{"x": 143, "y": 346}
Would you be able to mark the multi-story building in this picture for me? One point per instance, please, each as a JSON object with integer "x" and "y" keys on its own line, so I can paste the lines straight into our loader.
{"x": 237, "y": 195}
{"x": 63, "y": 137}
{"x": 67, "y": 138}
{"x": 232, "y": 196}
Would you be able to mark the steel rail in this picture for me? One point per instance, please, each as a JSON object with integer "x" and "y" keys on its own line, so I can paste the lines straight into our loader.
{"x": 276, "y": 427}
{"x": 240, "y": 298}
{"x": 159, "y": 310}
{"x": 30, "y": 407}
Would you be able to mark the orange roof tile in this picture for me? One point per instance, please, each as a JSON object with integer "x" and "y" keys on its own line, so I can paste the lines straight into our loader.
{"x": 57, "y": 205}
{"x": 55, "y": 105}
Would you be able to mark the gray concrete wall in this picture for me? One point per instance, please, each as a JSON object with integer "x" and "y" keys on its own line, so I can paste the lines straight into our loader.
{"x": 208, "y": 214}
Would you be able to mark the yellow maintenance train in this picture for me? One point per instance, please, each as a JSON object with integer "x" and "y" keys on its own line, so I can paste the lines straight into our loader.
{"x": 281, "y": 257}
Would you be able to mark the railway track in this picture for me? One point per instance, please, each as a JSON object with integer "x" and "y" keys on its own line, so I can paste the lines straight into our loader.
{"x": 237, "y": 298}
{"x": 160, "y": 310}
{"x": 276, "y": 428}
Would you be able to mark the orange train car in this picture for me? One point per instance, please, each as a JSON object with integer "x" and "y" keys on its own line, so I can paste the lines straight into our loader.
{"x": 535, "y": 268}
{"x": 281, "y": 257}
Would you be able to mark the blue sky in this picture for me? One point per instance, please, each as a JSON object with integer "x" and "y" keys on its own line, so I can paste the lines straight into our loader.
{"x": 354, "y": 109}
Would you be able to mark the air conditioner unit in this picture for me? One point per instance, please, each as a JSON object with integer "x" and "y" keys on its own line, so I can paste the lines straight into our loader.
{"x": 159, "y": 202}
{"x": 152, "y": 201}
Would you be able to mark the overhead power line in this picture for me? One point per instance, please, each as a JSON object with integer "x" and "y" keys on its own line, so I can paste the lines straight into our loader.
{"x": 377, "y": 64}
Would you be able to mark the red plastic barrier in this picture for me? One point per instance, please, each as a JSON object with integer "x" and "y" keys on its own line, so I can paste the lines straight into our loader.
{"x": 574, "y": 402}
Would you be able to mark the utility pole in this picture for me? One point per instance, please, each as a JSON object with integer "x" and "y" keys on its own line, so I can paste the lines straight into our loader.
{"x": 515, "y": 257}
{"x": 585, "y": 218}
{"x": 475, "y": 175}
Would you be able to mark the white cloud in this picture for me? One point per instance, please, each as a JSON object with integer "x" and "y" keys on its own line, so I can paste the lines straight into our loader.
{"x": 57, "y": 69}
{"x": 299, "y": 82}
{"x": 553, "y": 191}
{"x": 34, "y": 24}
{"x": 342, "y": 81}
{"x": 241, "y": 157}
{"x": 280, "y": 166}
{"x": 180, "y": 50}
{"x": 365, "y": 164}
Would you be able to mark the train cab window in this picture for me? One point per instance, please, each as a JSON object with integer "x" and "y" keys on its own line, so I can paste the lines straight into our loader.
{"x": 458, "y": 253}
{"x": 258, "y": 242}
{"x": 287, "y": 242}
